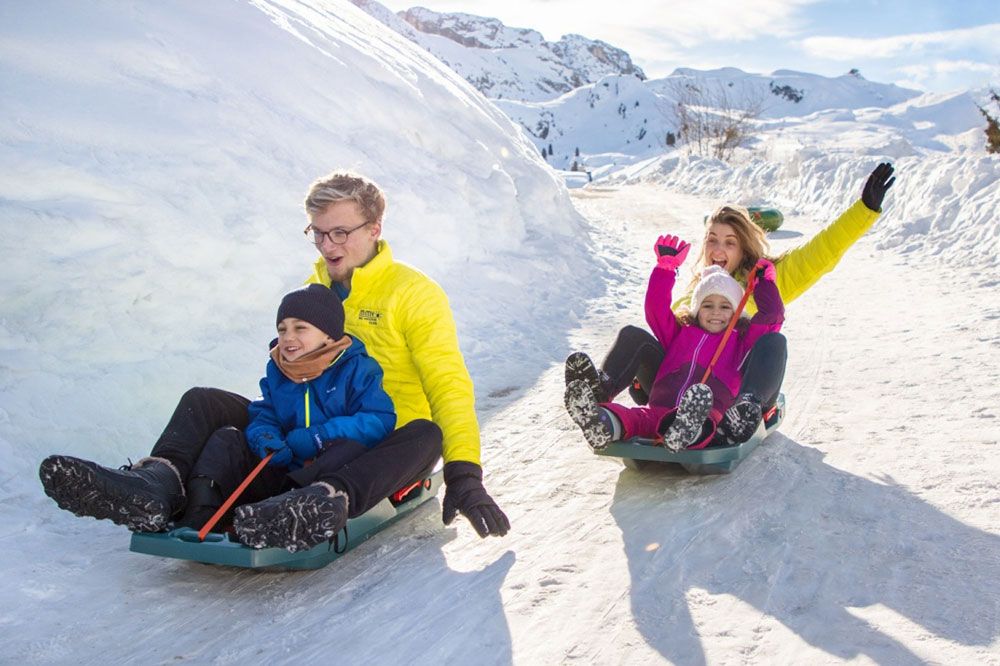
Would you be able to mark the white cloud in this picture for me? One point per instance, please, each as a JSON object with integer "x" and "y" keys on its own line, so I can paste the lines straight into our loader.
{"x": 949, "y": 74}
{"x": 985, "y": 38}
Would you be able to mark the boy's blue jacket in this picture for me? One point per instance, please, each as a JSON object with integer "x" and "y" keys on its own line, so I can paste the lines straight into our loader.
{"x": 345, "y": 402}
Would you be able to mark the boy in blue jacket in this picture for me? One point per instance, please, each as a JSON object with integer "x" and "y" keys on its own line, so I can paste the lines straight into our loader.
{"x": 321, "y": 403}
{"x": 321, "y": 406}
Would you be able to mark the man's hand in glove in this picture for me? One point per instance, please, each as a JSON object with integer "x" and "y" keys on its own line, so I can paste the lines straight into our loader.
{"x": 464, "y": 493}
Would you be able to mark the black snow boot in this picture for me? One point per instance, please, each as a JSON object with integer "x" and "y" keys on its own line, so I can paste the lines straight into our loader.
{"x": 204, "y": 497}
{"x": 580, "y": 367}
{"x": 584, "y": 411}
{"x": 695, "y": 405}
{"x": 739, "y": 422}
{"x": 142, "y": 497}
{"x": 296, "y": 520}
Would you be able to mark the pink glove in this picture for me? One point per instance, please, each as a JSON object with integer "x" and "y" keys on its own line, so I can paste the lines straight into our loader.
{"x": 670, "y": 252}
{"x": 770, "y": 274}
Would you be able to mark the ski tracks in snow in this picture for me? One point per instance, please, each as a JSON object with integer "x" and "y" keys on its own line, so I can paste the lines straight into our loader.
{"x": 819, "y": 546}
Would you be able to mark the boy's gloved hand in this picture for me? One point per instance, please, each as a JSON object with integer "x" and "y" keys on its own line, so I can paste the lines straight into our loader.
{"x": 265, "y": 443}
{"x": 464, "y": 493}
{"x": 878, "y": 184}
{"x": 770, "y": 274}
{"x": 305, "y": 443}
{"x": 670, "y": 252}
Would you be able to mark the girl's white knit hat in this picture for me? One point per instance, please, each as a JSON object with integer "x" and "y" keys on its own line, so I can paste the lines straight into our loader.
{"x": 715, "y": 280}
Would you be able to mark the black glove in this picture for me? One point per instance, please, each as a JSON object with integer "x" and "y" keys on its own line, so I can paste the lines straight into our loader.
{"x": 878, "y": 184}
{"x": 464, "y": 493}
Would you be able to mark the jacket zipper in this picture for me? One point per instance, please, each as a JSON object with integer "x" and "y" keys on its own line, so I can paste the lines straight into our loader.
{"x": 307, "y": 405}
{"x": 687, "y": 379}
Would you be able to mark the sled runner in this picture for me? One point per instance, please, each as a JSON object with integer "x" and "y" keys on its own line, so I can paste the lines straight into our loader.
{"x": 638, "y": 453}
{"x": 223, "y": 548}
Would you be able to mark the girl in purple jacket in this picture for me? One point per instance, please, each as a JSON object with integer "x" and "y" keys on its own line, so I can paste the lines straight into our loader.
{"x": 683, "y": 411}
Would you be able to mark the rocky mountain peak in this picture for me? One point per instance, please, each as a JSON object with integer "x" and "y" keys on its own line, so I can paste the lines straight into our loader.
{"x": 504, "y": 62}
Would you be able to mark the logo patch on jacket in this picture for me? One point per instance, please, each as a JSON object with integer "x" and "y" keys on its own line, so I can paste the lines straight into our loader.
{"x": 371, "y": 316}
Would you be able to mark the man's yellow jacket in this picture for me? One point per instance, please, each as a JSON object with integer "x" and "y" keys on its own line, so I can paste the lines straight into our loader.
{"x": 405, "y": 321}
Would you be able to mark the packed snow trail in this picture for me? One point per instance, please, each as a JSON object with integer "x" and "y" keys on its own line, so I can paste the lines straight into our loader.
{"x": 867, "y": 527}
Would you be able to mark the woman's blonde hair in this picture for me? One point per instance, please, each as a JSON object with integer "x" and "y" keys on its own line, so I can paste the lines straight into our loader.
{"x": 752, "y": 240}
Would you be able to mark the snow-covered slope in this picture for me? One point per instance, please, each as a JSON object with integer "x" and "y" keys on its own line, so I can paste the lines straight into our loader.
{"x": 944, "y": 203}
{"x": 504, "y": 62}
{"x": 619, "y": 120}
{"x": 618, "y": 115}
{"x": 785, "y": 92}
{"x": 154, "y": 159}
{"x": 584, "y": 104}
{"x": 154, "y": 163}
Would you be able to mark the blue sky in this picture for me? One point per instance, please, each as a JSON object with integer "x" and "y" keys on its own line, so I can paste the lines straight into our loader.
{"x": 934, "y": 46}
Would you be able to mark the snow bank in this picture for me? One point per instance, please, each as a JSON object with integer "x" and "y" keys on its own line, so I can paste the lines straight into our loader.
{"x": 155, "y": 158}
{"x": 941, "y": 209}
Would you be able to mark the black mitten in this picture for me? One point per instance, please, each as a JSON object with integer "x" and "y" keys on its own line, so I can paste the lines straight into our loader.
{"x": 464, "y": 493}
{"x": 878, "y": 184}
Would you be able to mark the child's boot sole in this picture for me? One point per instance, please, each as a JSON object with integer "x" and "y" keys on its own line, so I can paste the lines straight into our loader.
{"x": 580, "y": 367}
{"x": 695, "y": 405}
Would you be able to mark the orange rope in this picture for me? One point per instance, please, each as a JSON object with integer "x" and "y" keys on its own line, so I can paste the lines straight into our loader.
{"x": 232, "y": 498}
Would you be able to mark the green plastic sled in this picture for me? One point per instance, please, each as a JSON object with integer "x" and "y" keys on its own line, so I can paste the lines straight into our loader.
{"x": 219, "y": 548}
{"x": 638, "y": 453}
{"x": 768, "y": 219}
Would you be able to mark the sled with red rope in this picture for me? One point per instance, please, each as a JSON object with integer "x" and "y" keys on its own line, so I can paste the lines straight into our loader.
{"x": 637, "y": 452}
{"x": 223, "y": 548}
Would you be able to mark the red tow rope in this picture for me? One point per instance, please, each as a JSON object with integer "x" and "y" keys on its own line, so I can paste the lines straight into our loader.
{"x": 232, "y": 498}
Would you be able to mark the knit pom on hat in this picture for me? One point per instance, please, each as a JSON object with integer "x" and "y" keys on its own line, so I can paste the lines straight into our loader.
{"x": 316, "y": 304}
{"x": 715, "y": 280}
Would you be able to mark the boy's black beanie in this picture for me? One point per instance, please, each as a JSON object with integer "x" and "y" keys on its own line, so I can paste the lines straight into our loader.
{"x": 316, "y": 304}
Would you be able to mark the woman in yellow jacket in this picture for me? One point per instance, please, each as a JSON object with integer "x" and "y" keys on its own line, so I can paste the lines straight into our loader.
{"x": 735, "y": 243}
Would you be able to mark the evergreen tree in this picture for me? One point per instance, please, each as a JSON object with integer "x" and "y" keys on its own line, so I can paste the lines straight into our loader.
{"x": 992, "y": 124}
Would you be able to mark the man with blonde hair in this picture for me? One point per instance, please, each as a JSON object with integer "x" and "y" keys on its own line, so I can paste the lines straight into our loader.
{"x": 404, "y": 319}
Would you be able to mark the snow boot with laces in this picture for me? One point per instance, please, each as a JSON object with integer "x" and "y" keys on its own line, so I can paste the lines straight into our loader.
{"x": 142, "y": 497}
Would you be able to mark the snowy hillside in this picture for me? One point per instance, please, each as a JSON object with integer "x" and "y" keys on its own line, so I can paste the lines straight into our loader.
{"x": 154, "y": 162}
{"x": 504, "y": 62}
{"x": 619, "y": 120}
{"x": 154, "y": 166}
{"x": 947, "y": 200}
{"x": 584, "y": 104}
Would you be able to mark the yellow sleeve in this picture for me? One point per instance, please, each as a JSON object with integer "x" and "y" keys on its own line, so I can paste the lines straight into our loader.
{"x": 432, "y": 339}
{"x": 800, "y": 268}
